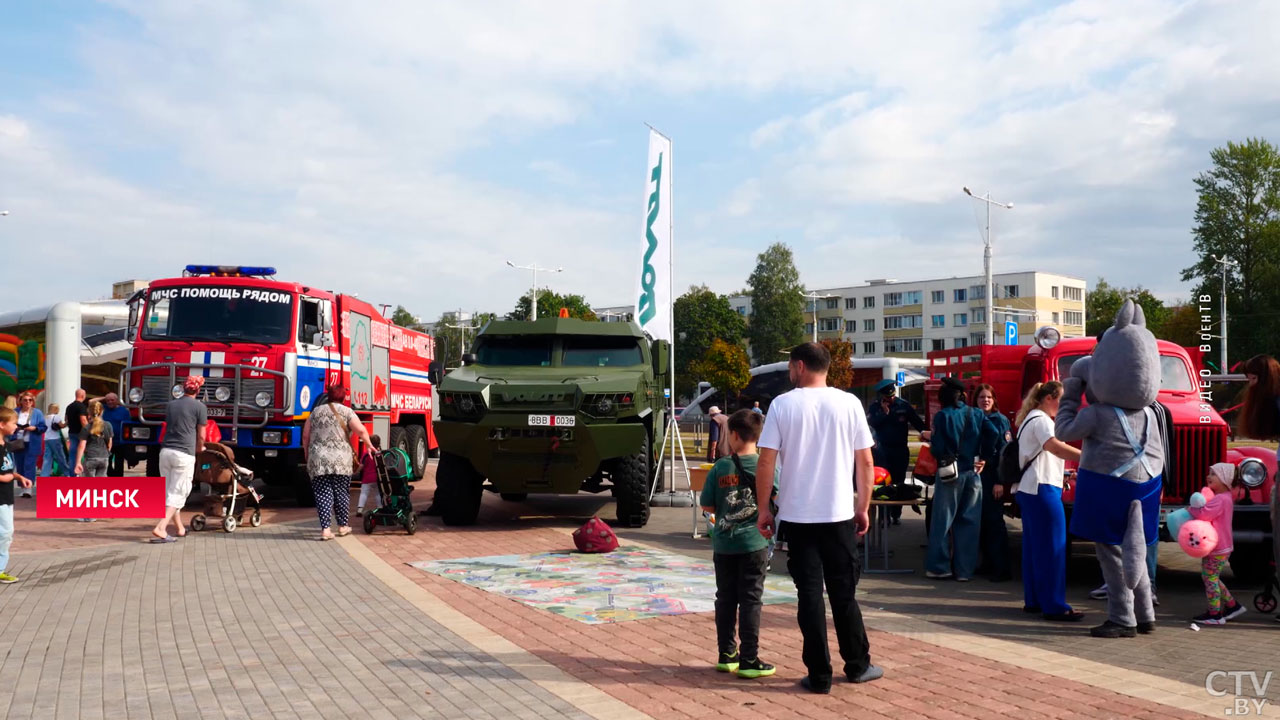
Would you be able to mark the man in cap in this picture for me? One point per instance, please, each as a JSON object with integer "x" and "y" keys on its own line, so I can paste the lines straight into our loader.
{"x": 718, "y": 435}
{"x": 889, "y": 416}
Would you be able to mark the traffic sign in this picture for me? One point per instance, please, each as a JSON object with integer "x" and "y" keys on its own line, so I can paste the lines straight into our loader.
{"x": 902, "y": 378}
{"x": 1011, "y": 333}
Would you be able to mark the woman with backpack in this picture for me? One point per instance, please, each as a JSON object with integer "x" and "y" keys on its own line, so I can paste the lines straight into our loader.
{"x": 958, "y": 432}
{"x": 993, "y": 540}
{"x": 1042, "y": 458}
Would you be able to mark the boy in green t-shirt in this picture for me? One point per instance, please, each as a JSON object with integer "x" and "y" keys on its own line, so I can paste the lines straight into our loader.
{"x": 741, "y": 552}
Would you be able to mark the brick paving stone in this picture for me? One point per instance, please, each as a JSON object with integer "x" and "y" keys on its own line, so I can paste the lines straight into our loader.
{"x": 261, "y": 623}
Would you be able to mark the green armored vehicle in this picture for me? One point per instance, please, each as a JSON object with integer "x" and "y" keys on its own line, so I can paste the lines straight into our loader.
{"x": 556, "y": 405}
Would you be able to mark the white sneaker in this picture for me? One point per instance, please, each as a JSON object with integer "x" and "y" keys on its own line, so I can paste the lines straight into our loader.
{"x": 1099, "y": 593}
{"x": 937, "y": 575}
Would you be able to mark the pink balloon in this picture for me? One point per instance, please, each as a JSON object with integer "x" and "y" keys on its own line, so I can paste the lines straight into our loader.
{"x": 1197, "y": 538}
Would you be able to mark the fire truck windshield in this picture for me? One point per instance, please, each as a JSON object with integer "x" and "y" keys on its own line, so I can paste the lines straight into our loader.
{"x": 1174, "y": 376}
{"x": 223, "y": 314}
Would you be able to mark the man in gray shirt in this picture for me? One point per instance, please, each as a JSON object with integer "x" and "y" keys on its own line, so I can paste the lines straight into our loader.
{"x": 185, "y": 420}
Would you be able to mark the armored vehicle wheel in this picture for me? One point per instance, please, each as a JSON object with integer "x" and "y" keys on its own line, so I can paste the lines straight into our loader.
{"x": 255, "y": 520}
{"x": 514, "y": 497}
{"x": 417, "y": 439}
{"x": 197, "y": 523}
{"x": 631, "y": 489}
{"x": 229, "y": 523}
{"x": 400, "y": 439}
{"x": 411, "y": 525}
{"x": 368, "y": 524}
{"x": 460, "y": 490}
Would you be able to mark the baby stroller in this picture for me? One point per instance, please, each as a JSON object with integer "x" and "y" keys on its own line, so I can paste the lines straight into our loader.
{"x": 394, "y": 473}
{"x": 230, "y": 487}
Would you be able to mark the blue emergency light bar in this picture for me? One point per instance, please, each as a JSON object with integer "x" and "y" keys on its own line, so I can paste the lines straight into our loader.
{"x": 229, "y": 270}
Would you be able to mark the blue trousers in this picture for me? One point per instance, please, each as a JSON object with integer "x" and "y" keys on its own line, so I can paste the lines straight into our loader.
{"x": 957, "y": 517}
{"x": 25, "y": 460}
{"x": 1044, "y": 550}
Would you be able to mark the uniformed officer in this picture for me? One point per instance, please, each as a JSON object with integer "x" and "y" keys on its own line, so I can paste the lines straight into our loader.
{"x": 889, "y": 417}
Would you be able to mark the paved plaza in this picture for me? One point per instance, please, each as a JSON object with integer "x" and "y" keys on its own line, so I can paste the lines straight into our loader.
{"x": 268, "y": 622}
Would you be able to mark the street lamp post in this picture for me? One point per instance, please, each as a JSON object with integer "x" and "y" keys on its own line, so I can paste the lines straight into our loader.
{"x": 462, "y": 336}
{"x": 815, "y": 297}
{"x": 1225, "y": 262}
{"x": 988, "y": 291}
{"x": 533, "y": 295}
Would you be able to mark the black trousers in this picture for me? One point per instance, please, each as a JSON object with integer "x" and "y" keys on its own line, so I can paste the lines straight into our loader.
{"x": 739, "y": 589}
{"x": 821, "y": 554}
{"x": 115, "y": 466}
{"x": 993, "y": 538}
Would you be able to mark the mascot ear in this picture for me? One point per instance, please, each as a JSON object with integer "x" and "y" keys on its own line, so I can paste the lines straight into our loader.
{"x": 1139, "y": 317}
{"x": 1125, "y": 317}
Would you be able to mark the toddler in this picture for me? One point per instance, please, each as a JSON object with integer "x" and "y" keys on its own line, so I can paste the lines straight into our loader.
{"x": 369, "y": 475}
{"x": 1218, "y": 512}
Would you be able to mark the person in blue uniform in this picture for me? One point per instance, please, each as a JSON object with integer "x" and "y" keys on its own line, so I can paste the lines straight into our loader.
{"x": 889, "y": 417}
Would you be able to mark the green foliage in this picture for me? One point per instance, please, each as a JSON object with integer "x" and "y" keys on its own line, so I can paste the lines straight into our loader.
{"x": 841, "y": 373}
{"x": 1183, "y": 326}
{"x": 777, "y": 307}
{"x": 725, "y": 366}
{"x": 1104, "y": 301}
{"x": 1238, "y": 217}
{"x": 549, "y": 305}
{"x": 450, "y": 340}
{"x": 405, "y": 319}
{"x": 702, "y": 317}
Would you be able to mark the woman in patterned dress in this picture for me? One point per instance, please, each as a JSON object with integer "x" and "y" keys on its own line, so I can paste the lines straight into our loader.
{"x": 326, "y": 443}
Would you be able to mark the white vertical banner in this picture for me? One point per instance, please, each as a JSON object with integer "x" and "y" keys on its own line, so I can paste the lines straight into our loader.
{"x": 653, "y": 291}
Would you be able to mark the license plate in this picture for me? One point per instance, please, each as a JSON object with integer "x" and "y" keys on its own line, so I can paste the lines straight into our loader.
{"x": 217, "y": 412}
{"x": 551, "y": 420}
{"x": 140, "y": 448}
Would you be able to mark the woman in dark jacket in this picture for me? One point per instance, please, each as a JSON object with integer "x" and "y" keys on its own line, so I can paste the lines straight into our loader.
{"x": 958, "y": 431}
{"x": 993, "y": 540}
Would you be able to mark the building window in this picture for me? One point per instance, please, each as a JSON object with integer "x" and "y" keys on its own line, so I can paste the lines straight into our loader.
{"x": 939, "y": 321}
{"x": 1011, "y": 291}
{"x": 979, "y": 315}
{"x": 960, "y": 342}
{"x": 912, "y": 297}
{"x": 833, "y": 303}
{"x": 961, "y": 319}
{"x": 808, "y": 306}
{"x": 893, "y": 299}
{"x": 903, "y": 322}
{"x": 869, "y": 301}
{"x": 1055, "y": 318}
{"x": 939, "y": 344}
{"x": 977, "y": 339}
{"x": 1073, "y": 317}
{"x": 869, "y": 348}
{"x": 977, "y": 293}
{"x": 903, "y": 345}
{"x": 850, "y": 303}
{"x": 960, "y": 295}
{"x": 1072, "y": 293}
{"x": 1053, "y": 292}
{"x": 869, "y": 325}
{"x": 829, "y": 325}
{"x": 808, "y": 328}
{"x": 937, "y": 296}
{"x": 851, "y": 326}
{"x": 742, "y": 310}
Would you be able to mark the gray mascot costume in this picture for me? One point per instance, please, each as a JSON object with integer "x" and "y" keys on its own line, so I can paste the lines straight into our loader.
{"x": 1118, "y": 488}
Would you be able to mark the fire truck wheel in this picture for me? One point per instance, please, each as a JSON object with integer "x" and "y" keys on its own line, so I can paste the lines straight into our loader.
{"x": 461, "y": 489}
{"x": 417, "y": 437}
{"x": 631, "y": 489}
{"x": 400, "y": 439}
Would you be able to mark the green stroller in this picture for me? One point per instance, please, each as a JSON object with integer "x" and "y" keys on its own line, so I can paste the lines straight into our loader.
{"x": 394, "y": 473}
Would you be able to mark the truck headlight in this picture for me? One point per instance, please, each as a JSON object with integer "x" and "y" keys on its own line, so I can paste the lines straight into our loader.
{"x": 176, "y": 391}
{"x": 1047, "y": 337}
{"x": 135, "y": 395}
{"x": 262, "y": 399}
{"x": 604, "y": 405}
{"x": 271, "y": 436}
{"x": 222, "y": 394}
{"x": 141, "y": 433}
{"x": 467, "y": 404}
{"x": 1253, "y": 472}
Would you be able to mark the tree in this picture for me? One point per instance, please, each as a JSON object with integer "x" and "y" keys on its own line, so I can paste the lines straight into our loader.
{"x": 405, "y": 319}
{"x": 841, "y": 373}
{"x": 1104, "y": 301}
{"x": 450, "y": 340}
{"x": 777, "y": 307}
{"x": 1183, "y": 325}
{"x": 702, "y": 317}
{"x": 549, "y": 305}
{"x": 725, "y": 366}
{"x": 1238, "y": 217}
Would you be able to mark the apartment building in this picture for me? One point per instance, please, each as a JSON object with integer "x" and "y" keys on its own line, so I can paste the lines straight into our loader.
{"x": 888, "y": 318}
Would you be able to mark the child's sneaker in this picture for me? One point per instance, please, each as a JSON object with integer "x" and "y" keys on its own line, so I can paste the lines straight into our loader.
{"x": 1209, "y": 618}
{"x": 752, "y": 669}
{"x": 6, "y": 578}
{"x": 728, "y": 662}
{"x": 1234, "y": 611}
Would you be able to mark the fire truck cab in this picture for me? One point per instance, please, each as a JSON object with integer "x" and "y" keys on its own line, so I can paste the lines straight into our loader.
{"x": 268, "y": 349}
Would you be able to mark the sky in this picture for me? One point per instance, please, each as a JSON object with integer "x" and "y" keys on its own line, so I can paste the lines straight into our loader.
{"x": 405, "y": 150}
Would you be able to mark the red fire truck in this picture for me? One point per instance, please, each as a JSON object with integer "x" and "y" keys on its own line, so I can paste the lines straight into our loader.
{"x": 1200, "y": 433}
{"x": 268, "y": 349}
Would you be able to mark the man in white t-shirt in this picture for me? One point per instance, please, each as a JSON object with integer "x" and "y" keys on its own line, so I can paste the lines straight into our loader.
{"x": 821, "y": 436}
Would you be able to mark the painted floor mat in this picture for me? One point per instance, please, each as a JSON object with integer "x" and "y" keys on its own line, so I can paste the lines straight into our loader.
{"x": 630, "y": 583}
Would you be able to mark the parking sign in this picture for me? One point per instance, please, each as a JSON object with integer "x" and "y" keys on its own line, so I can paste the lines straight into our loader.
{"x": 1011, "y": 333}
{"x": 902, "y": 378}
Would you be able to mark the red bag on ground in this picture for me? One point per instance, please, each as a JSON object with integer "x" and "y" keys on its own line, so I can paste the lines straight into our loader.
{"x": 595, "y": 537}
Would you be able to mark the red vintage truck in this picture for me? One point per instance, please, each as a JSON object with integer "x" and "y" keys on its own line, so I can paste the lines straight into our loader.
{"x": 1200, "y": 433}
{"x": 268, "y": 349}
